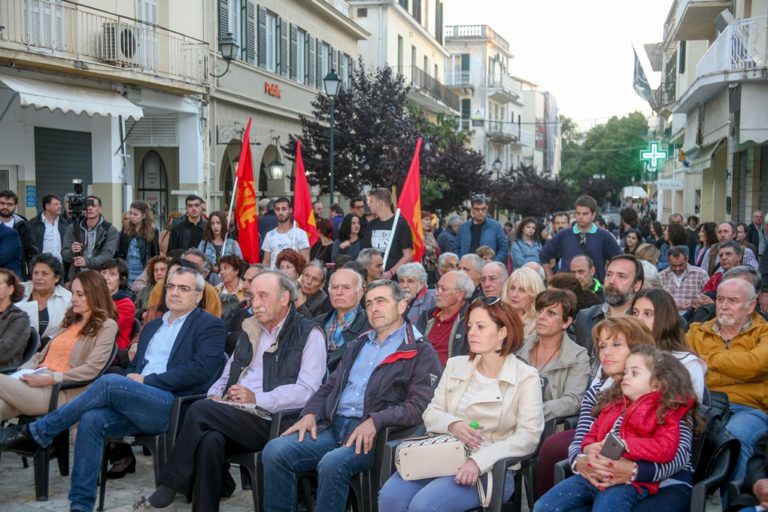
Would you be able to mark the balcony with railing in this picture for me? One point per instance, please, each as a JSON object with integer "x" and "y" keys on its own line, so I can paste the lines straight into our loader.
{"x": 665, "y": 94}
{"x": 422, "y": 84}
{"x": 503, "y": 88}
{"x": 71, "y": 35}
{"x": 739, "y": 54}
{"x": 474, "y": 32}
{"x": 501, "y": 132}
{"x": 458, "y": 79}
{"x": 695, "y": 19}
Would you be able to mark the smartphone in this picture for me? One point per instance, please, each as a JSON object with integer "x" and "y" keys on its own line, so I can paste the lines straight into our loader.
{"x": 613, "y": 448}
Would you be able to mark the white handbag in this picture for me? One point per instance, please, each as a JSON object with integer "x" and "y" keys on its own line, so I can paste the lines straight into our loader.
{"x": 430, "y": 456}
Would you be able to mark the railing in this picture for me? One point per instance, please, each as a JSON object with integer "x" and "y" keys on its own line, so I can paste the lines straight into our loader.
{"x": 504, "y": 129}
{"x": 340, "y": 5}
{"x": 474, "y": 32}
{"x": 457, "y": 78}
{"x": 89, "y": 35}
{"x": 740, "y": 47}
{"x": 504, "y": 82}
{"x": 421, "y": 80}
{"x": 665, "y": 94}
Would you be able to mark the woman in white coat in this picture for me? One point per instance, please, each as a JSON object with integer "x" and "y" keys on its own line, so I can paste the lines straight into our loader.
{"x": 490, "y": 386}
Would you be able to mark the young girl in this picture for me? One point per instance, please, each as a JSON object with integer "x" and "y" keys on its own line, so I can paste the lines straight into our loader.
{"x": 644, "y": 410}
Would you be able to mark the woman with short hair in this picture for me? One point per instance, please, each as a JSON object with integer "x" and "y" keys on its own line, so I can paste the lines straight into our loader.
{"x": 52, "y": 299}
{"x": 520, "y": 292}
{"x": 78, "y": 351}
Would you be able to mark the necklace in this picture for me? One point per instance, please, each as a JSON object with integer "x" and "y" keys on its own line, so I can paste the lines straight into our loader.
{"x": 552, "y": 356}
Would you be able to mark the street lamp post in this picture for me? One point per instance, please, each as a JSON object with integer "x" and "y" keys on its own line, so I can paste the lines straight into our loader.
{"x": 332, "y": 84}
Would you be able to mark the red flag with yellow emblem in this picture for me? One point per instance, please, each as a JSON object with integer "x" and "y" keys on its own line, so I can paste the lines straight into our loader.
{"x": 247, "y": 211}
{"x": 302, "y": 202}
{"x": 409, "y": 204}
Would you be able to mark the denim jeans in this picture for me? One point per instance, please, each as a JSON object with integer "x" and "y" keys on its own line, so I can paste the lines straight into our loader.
{"x": 748, "y": 425}
{"x": 576, "y": 493}
{"x": 336, "y": 465}
{"x": 435, "y": 494}
{"x": 112, "y": 406}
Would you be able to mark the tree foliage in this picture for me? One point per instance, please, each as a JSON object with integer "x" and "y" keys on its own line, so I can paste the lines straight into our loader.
{"x": 375, "y": 133}
{"x": 529, "y": 193}
{"x": 610, "y": 150}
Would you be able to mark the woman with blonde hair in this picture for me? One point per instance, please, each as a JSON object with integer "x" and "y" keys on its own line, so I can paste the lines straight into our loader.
{"x": 78, "y": 351}
{"x": 520, "y": 293}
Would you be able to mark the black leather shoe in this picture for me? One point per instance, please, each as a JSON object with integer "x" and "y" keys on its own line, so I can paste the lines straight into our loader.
{"x": 18, "y": 439}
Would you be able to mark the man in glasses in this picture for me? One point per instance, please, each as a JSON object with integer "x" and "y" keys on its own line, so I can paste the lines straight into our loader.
{"x": 445, "y": 324}
{"x": 178, "y": 355}
{"x": 278, "y": 363}
{"x": 585, "y": 237}
{"x": 482, "y": 231}
{"x": 233, "y": 319}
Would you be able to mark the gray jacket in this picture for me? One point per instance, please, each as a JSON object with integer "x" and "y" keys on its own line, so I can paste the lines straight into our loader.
{"x": 567, "y": 377}
{"x": 104, "y": 247}
{"x": 14, "y": 334}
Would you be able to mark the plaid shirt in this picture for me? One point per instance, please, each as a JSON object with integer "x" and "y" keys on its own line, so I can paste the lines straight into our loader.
{"x": 690, "y": 286}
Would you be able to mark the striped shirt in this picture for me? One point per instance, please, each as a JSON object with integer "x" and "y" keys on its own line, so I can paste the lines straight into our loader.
{"x": 679, "y": 470}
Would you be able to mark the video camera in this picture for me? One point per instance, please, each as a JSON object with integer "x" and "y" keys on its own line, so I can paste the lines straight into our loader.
{"x": 77, "y": 203}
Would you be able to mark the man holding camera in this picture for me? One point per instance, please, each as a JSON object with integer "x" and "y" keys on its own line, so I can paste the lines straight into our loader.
{"x": 89, "y": 240}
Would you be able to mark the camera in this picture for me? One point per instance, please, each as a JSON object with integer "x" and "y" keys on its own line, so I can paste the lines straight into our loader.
{"x": 77, "y": 201}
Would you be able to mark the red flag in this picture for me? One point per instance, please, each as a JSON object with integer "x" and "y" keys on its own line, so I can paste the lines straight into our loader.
{"x": 302, "y": 202}
{"x": 409, "y": 204}
{"x": 246, "y": 212}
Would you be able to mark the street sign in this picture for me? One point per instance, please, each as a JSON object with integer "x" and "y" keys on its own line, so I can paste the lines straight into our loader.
{"x": 30, "y": 192}
{"x": 669, "y": 185}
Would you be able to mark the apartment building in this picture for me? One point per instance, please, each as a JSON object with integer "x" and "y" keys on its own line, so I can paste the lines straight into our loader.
{"x": 713, "y": 101}
{"x": 407, "y": 36}
{"x": 541, "y": 126}
{"x": 134, "y": 97}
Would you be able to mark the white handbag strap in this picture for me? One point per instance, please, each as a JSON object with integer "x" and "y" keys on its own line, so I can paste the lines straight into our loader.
{"x": 485, "y": 495}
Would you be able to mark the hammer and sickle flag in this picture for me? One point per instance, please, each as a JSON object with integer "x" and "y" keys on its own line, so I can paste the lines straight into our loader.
{"x": 247, "y": 210}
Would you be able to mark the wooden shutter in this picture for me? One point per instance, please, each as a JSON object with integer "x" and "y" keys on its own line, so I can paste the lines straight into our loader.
{"x": 311, "y": 61}
{"x": 294, "y": 48}
{"x": 223, "y": 18}
{"x": 283, "y": 54}
{"x": 319, "y": 63}
{"x": 261, "y": 14}
{"x": 250, "y": 32}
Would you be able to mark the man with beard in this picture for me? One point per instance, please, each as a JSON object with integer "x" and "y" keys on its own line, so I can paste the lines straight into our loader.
{"x": 9, "y": 201}
{"x": 623, "y": 279}
{"x": 734, "y": 345}
{"x": 284, "y": 236}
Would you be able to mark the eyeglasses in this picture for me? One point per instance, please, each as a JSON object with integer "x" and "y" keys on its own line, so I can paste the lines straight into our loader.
{"x": 440, "y": 289}
{"x": 182, "y": 288}
{"x": 583, "y": 240}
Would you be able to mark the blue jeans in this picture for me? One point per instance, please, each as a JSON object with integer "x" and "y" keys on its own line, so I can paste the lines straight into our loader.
{"x": 748, "y": 425}
{"x": 112, "y": 406}
{"x": 576, "y": 493}
{"x": 336, "y": 465}
{"x": 434, "y": 494}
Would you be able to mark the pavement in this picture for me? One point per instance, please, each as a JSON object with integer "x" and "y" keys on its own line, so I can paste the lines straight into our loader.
{"x": 17, "y": 489}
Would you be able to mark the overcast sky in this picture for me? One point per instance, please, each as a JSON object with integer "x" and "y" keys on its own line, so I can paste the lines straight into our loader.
{"x": 580, "y": 51}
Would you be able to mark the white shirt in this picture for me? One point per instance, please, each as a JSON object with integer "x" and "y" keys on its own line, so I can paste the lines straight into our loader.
{"x": 160, "y": 346}
{"x": 52, "y": 237}
{"x": 274, "y": 243}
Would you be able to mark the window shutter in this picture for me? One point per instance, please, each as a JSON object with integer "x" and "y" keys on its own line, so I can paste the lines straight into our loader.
{"x": 223, "y": 18}
{"x": 319, "y": 63}
{"x": 283, "y": 68}
{"x": 250, "y": 32}
{"x": 334, "y": 60}
{"x": 261, "y": 13}
{"x": 294, "y": 47}
{"x": 311, "y": 61}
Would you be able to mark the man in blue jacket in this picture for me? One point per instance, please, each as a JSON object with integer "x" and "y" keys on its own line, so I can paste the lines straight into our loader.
{"x": 385, "y": 378}
{"x": 179, "y": 354}
{"x": 10, "y": 250}
{"x": 482, "y": 231}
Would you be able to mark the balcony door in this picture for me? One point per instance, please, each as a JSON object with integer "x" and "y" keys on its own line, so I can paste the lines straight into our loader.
{"x": 153, "y": 186}
{"x": 148, "y": 40}
{"x": 45, "y": 24}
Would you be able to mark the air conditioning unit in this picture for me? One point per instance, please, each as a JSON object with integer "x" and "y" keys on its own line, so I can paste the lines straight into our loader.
{"x": 120, "y": 43}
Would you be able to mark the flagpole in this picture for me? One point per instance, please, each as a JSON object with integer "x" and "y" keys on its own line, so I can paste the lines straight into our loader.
{"x": 229, "y": 215}
{"x": 391, "y": 236}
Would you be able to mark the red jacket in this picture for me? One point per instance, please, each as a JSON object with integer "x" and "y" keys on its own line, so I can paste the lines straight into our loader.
{"x": 644, "y": 437}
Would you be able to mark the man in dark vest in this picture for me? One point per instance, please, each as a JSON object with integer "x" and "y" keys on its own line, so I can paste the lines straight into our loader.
{"x": 213, "y": 428}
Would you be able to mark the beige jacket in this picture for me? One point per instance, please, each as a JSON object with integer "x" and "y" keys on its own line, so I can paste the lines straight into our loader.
{"x": 89, "y": 355}
{"x": 567, "y": 377}
{"x": 511, "y": 413}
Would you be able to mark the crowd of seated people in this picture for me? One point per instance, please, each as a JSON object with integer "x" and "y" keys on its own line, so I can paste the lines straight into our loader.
{"x": 521, "y": 327}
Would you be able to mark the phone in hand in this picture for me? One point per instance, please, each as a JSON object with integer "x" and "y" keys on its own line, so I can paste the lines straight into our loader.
{"x": 613, "y": 447}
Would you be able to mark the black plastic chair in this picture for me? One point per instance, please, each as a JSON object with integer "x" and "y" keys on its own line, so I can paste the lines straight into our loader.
{"x": 60, "y": 445}
{"x": 33, "y": 345}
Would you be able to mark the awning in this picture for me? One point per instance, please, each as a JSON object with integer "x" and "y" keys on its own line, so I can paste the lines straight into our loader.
{"x": 634, "y": 192}
{"x": 754, "y": 102}
{"x": 702, "y": 159}
{"x": 68, "y": 98}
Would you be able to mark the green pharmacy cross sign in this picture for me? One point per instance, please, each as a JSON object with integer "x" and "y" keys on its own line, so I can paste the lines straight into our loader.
{"x": 652, "y": 156}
